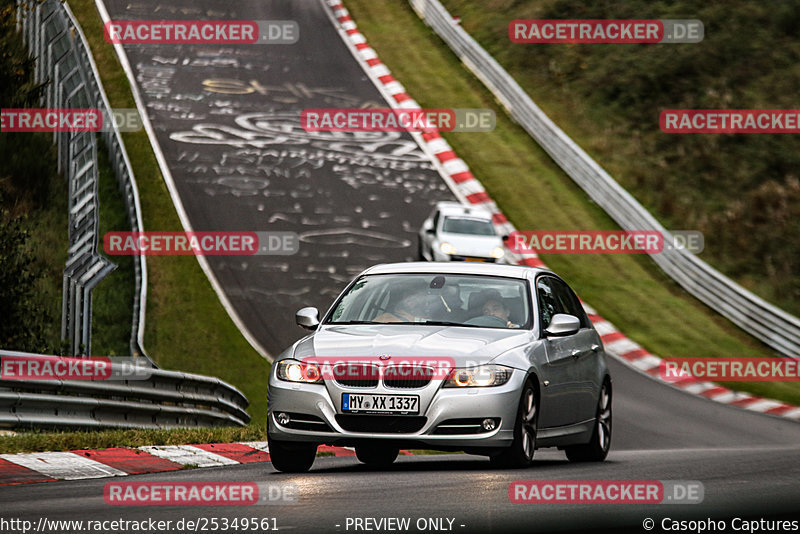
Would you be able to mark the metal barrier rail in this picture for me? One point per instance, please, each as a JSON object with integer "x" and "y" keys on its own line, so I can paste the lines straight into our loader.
{"x": 773, "y": 326}
{"x": 165, "y": 399}
{"x": 55, "y": 39}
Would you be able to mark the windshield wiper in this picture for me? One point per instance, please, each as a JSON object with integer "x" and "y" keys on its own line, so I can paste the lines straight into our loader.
{"x": 427, "y": 323}
{"x": 443, "y": 323}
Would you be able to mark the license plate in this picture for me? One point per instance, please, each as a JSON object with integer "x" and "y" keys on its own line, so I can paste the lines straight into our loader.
{"x": 392, "y": 404}
{"x": 475, "y": 259}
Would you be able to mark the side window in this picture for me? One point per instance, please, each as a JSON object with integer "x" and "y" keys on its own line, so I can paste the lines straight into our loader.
{"x": 548, "y": 302}
{"x": 569, "y": 301}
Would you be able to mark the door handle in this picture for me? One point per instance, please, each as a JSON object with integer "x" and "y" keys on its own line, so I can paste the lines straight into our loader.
{"x": 578, "y": 353}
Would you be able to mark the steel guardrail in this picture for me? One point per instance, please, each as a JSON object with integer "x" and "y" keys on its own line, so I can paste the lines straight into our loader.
{"x": 775, "y": 327}
{"x": 151, "y": 398}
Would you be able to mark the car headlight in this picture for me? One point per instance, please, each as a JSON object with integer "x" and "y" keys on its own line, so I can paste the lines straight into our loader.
{"x": 296, "y": 371}
{"x": 498, "y": 253}
{"x": 447, "y": 248}
{"x": 483, "y": 376}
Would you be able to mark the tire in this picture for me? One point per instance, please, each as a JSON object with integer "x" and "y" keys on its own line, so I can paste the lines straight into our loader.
{"x": 597, "y": 448}
{"x": 292, "y": 457}
{"x": 420, "y": 256}
{"x": 376, "y": 456}
{"x": 520, "y": 453}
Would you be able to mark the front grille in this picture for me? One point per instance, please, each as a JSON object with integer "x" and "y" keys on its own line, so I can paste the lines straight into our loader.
{"x": 463, "y": 426}
{"x": 407, "y": 376}
{"x": 356, "y": 375}
{"x": 360, "y": 375}
{"x": 301, "y": 421}
{"x": 381, "y": 424}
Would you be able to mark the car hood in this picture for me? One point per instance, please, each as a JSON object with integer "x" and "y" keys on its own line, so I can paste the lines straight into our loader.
{"x": 467, "y": 346}
{"x": 472, "y": 245}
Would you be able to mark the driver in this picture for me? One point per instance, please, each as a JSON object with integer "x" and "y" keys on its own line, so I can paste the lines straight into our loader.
{"x": 497, "y": 308}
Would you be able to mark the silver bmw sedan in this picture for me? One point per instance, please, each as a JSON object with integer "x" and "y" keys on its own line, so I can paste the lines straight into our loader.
{"x": 495, "y": 360}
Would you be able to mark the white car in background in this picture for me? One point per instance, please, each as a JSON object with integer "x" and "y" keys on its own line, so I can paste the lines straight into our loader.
{"x": 454, "y": 232}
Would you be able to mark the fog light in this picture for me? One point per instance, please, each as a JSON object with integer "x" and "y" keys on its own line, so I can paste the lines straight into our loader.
{"x": 283, "y": 418}
{"x": 488, "y": 424}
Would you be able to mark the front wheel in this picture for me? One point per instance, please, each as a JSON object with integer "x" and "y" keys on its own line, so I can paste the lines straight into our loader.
{"x": 376, "y": 456}
{"x": 520, "y": 453}
{"x": 291, "y": 457}
{"x": 597, "y": 448}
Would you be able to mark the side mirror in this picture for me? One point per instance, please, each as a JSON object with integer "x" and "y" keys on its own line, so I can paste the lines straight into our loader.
{"x": 506, "y": 238}
{"x": 430, "y": 230}
{"x": 563, "y": 325}
{"x": 307, "y": 318}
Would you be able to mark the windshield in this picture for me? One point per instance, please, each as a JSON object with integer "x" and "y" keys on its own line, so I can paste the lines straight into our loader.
{"x": 435, "y": 299}
{"x": 463, "y": 225}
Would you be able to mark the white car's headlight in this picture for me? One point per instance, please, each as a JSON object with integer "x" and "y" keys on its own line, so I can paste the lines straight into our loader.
{"x": 447, "y": 248}
{"x": 483, "y": 376}
{"x": 296, "y": 371}
{"x": 498, "y": 253}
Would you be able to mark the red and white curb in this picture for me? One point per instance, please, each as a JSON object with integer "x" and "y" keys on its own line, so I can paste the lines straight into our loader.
{"x": 458, "y": 176}
{"x": 26, "y": 468}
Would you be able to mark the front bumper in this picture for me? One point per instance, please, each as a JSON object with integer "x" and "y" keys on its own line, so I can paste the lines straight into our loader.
{"x": 437, "y": 406}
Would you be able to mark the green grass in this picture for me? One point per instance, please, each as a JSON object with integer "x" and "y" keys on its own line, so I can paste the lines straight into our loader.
{"x": 41, "y": 200}
{"x": 630, "y": 291}
{"x": 741, "y": 190}
{"x": 102, "y": 439}
{"x": 48, "y": 226}
{"x": 187, "y": 328}
{"x": 112, "y": 299}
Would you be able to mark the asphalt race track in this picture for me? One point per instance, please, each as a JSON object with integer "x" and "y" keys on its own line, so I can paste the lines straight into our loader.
{"x": 227, "y": 121}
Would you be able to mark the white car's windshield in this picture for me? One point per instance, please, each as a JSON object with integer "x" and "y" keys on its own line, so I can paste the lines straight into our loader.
{"x": 435, "y": 299}
{"x": 469, "y": 226}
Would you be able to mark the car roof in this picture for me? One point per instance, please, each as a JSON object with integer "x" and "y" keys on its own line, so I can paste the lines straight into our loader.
{"x": 454, "y": 208}
{"x": 450, "y": 267}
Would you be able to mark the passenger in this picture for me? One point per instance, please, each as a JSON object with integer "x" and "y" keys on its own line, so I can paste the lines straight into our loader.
{"x": 409, "y": 310}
